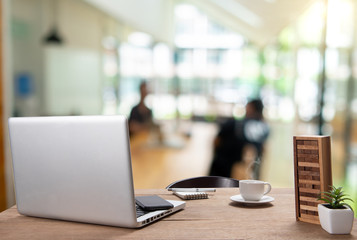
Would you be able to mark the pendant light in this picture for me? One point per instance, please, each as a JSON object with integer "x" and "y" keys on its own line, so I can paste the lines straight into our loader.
{"x": 53, "y": 36}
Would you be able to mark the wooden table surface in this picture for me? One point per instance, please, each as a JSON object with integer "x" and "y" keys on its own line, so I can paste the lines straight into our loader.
{"x": 215, "y": 218}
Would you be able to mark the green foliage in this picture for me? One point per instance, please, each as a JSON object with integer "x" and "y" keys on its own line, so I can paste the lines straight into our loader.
{"x": 335, "y": 198}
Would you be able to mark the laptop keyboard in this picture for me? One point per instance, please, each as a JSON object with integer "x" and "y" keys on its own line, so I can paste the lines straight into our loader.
{"x": 140, "y": 211}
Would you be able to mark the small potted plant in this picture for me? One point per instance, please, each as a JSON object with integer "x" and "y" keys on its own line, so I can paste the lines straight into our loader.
{"x": 336, "y": 216}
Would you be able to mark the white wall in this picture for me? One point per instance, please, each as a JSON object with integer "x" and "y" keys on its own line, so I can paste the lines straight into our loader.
{"x": 82, "y": 27}
{"x": 73, "y": 81}
{"x": 25, "y": 20}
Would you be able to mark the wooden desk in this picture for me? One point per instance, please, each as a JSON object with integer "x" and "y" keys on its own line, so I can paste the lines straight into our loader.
{"x": 214, "y": 218}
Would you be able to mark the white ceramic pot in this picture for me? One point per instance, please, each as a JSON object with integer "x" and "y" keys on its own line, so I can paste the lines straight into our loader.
{"x": 335, "y": 221}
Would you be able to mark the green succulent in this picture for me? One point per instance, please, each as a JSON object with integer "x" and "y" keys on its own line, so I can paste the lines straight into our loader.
{"x": 335, "y": 198}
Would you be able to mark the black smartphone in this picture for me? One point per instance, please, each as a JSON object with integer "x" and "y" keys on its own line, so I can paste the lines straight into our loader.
{"x": 153, "y": 202}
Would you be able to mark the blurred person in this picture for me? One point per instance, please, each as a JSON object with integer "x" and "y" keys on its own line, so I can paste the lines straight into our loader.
{"x": 234, "y": 135}
{"x": 141, "y": 118}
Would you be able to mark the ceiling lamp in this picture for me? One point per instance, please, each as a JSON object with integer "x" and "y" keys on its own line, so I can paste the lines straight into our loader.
{"x": 53, "y": 37}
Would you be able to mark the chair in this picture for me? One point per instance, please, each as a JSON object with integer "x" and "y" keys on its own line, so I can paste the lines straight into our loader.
{"x": 205, "y": 182}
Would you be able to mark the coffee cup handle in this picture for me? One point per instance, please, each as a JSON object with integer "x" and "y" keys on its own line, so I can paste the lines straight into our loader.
{"x": 269, "y": 188}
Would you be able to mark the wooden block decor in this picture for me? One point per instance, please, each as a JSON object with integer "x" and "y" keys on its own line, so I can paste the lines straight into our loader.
{"x": 312, "y": 163}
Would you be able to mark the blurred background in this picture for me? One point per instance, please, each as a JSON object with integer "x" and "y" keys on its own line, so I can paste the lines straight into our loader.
{"x": 203, "y": 60}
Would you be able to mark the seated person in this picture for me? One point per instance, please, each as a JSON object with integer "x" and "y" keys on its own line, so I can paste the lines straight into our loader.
{"x": 140, "y": 118}
{"x": 234, "y": 135}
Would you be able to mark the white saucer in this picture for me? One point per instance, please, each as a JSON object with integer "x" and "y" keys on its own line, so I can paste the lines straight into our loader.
{"x": 240, "y": 199}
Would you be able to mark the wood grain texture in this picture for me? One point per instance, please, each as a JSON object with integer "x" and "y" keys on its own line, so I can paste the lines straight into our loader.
{"x": 215, "y": 218}
{"x": 312, "y": 161}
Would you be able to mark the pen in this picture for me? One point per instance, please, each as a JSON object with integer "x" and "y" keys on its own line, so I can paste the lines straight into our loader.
{"x": 192, "y": 189}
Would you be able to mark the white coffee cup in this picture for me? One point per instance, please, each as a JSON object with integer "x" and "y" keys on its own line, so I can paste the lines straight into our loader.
{"x": 253, "y": 190}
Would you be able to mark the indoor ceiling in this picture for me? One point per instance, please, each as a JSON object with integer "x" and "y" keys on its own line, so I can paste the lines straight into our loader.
{"x": 259, "y": 21}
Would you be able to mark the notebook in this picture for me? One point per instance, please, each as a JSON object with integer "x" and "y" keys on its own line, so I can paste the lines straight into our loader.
{"x": 191, "y": 195}
{"x": 77, "y": 168}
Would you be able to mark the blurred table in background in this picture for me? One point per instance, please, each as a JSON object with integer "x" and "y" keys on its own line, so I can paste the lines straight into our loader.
{"x": 157, "y": 164}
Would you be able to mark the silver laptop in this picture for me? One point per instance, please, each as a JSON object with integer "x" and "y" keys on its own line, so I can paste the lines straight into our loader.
{"x": 77, "y": 169}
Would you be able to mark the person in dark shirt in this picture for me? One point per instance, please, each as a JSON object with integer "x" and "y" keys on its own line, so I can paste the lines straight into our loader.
{"x": 234, "y": 135}
{"x": 141, "y": 117}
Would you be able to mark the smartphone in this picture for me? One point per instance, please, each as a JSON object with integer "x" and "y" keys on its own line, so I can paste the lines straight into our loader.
{"x": 153, "y": 202}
